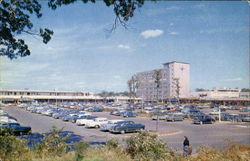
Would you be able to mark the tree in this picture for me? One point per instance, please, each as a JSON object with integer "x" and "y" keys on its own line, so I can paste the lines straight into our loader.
{"x": 157, "y": 77}
{"x": 177, "y": 88}
{"x": 133, "y": 85}
{"x": 200, "y": 89}
{"x": 15, "y": 20}
{"x": 245, "y": 90}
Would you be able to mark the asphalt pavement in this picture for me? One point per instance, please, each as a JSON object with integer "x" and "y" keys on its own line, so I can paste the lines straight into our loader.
{"x": 171, "y": 132}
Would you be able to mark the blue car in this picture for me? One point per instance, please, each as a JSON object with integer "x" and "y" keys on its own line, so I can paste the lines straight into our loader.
{"x": 128, "y": 126}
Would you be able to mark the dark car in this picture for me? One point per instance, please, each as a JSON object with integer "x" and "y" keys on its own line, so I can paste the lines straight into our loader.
{"x": 16, "y": 128}
{"x": 129, "y": 114}
{"x": 205, "y": 119}
{"x": 125, "y": 127}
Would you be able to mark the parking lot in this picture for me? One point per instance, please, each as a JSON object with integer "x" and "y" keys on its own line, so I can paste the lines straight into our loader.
{"x": 170, "y": 132}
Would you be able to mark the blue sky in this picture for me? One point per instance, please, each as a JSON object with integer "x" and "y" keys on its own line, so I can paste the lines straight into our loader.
{"x": 82, "y": 55}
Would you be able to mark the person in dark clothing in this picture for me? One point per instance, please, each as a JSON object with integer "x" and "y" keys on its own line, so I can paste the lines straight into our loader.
{"x": 186, "y": 147}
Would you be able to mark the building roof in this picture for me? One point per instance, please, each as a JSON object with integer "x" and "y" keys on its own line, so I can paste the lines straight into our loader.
{"x": 174, "y": 62}
{"x": 40, "y": 91}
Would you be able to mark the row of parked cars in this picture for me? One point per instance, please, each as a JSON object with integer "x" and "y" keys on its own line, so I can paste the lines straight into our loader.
{"x": 85, "y": 118}
{"x": 11, "y": 124}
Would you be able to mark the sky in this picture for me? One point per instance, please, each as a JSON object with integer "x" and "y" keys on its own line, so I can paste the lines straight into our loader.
{"x": 84, "y": 56}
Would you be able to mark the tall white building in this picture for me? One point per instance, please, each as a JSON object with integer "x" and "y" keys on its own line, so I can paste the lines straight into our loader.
{"x": 172, "y": 75}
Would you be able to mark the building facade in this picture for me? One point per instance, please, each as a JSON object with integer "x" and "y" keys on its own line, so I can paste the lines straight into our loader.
{"x": 173, "y": 82}
{"x": 217, "y": 93}
{"x": 22, "y": 95}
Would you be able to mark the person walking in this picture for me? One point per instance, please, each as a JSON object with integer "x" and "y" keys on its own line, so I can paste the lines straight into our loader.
{"x": 186, "y": 147}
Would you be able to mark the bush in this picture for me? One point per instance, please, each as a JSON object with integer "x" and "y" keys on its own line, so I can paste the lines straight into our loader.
{"x": 13, "y": 148}
{"x": 6, "y": 132}
{"x": 52, "y": 144}
{"x": 146, "y": 146}
{"x": 79, "y": 149}
{"x": 232, "y": 151}
{"x": 112, "y": 143}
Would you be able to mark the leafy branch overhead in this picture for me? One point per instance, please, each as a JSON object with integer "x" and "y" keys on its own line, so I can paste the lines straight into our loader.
{"x": 15, "y": 20}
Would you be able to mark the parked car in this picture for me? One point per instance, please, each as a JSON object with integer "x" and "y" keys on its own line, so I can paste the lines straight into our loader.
{"x": 214, "y": 112}
{"x": 16, "y": 128}
{"x": 129, "y": 114}
{"x": 96, "y": 122}
{"x": 82, "y": 116}
{"x": 109, "y": 124}
{"x": 83, "y": 121}
{"x": 160, "y": 117}
{"x": 206, "y": 119}
{"x": 245, "y": 110}
{"x": 174, "y": 118}
{"x": 95, "y": 109}
{"x": 246, "y": 119}
{"x": 127, "y": 127}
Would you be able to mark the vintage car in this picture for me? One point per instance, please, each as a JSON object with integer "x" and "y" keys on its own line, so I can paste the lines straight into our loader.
{"x": 96, "y": 123}
{"x": 205, "y": 119}
{"x": 125, "y": 127}
{"x": 84, "y": 120}
{"x": 109, "y": 124}
{"x": 16, "y": 128}
{"x": 174, "y": 118}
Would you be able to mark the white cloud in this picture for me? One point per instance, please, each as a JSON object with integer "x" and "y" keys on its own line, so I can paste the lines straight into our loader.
{"x": 174, "y": 33}
{"x": 122, "y": 46}
{"x": 232, "y": 79}
{"x": 151, "y": 33}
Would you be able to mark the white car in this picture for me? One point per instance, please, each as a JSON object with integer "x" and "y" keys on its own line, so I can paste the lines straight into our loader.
{"x": 83, "y": 121}
{"x": 97, "y": 122}
{"x": 107, "y": 126}
{"x": 7, "y": 119}
{"x": 214, "y": 112}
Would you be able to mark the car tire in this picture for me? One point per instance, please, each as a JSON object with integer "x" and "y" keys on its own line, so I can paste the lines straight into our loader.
{"x": 122, "y": 132}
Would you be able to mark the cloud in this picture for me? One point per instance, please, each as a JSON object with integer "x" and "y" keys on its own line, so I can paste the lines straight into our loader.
{"x": 232, "y": 79}
{"x": 122, "y": 46}
{"x": 174, "y": 33}
{"x": 151, "y": 33}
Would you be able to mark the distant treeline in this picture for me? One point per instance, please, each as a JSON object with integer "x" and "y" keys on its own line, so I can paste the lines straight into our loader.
{"x": 110, "y": 94}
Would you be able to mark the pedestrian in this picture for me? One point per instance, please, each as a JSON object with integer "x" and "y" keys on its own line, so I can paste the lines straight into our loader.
{"x": 186, "y": 150}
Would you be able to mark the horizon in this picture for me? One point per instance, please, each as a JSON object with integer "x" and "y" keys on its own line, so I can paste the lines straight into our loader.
{"x": 83, "y": 56}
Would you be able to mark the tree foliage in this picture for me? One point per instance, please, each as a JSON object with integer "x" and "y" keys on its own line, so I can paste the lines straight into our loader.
{"x": 147, "y": 146}
{"x": 15, "y": 20}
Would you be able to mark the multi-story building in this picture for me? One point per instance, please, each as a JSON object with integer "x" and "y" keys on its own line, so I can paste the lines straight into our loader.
{"x": 174, "y": 82}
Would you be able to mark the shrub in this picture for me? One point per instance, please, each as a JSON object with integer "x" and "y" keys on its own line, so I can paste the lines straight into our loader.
{"x": 13, "y": 148}
{"x": 80, "y": 148}
{"x": 52, "y": 144}
{"x": 112, "y": 143}
{"x": 146, "y": 146}
{"x": 232, "y": 151}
